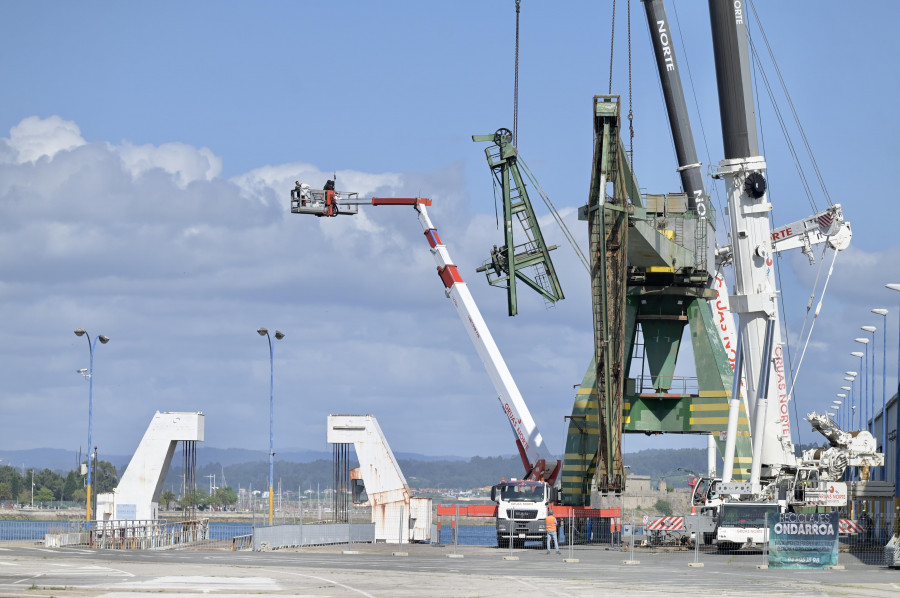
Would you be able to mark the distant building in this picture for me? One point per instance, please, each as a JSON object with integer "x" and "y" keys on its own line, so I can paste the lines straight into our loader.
{"x": 889, "y": 472}
{"x": 639, "y": 493}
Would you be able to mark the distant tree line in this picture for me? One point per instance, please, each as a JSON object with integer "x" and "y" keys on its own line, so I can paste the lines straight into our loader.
{"x": 52, "y": 486}
{"x": 672, "y": 465}
{"x": 478, "y": 472}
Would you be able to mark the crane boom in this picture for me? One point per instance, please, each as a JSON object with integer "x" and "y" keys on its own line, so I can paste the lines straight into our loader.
{"x": 539, "y": 463}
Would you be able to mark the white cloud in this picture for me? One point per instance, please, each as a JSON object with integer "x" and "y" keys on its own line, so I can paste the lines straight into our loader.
{"x": 34, "y": 138}
{"x": 149, "y": 246}
{"x": 187, "y": 164}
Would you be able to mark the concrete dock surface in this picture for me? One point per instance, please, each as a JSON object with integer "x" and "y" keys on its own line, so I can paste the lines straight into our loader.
{"x": 426, "y": 571}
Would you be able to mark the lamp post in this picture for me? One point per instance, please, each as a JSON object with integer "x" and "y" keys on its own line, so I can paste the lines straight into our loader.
{"x": 833, "y": 411}
{"x": 896, "y": 287}
{"x": 862, "y": 405}
{"x": 871, "y": 330}
{"x": 848, "y": 389}
{"x": 883, "y": 313}
{"x": 837, "y": 405}
{"x": 90, "y": 377}
{"x": 278, "y": 335}
{"x": 864, "y": 396}
{"x": 850, "y": 377}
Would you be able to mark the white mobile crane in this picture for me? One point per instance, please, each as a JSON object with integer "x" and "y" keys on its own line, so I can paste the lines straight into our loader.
{"x": 779, "y": 480}
{"x": 521, "y": 504}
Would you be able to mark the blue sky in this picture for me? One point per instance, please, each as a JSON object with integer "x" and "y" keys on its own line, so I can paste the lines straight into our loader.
{"x": 147, "y": 151}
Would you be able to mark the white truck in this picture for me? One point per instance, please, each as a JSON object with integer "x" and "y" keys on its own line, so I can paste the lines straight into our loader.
{"x": 742, "y": 525}
{"x": 522, "y": 506}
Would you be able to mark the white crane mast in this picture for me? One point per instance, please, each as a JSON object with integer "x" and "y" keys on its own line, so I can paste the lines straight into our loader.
{"x": 754, "y": 299}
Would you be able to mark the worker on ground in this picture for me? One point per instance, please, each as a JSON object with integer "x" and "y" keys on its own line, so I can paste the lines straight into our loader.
{"x": 868, "y": 529}
{"x": 550, "y": 526}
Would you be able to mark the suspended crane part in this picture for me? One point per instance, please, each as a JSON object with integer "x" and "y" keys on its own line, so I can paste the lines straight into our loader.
{"x": 137, "y": 495}
{"x": 511, "y": 261}
{"x": 539, "y": 463}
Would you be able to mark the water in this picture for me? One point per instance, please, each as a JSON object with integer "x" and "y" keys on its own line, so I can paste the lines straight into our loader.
{"x": 470, "y": 535}
{"x": 35, "y": 530}
{"x": 481, "y": 535}
{"x": 225, "y": 530}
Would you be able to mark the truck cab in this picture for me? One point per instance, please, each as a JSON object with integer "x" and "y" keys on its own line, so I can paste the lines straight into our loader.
{"x": 521, "y": 509}
{"x": 742, "y": 525}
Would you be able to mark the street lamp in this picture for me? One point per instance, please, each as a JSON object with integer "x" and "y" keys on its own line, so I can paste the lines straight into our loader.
{"x": 89, "y": 374}
{"x": 871, "y": 330}
{"x": 863, "y": 411}
{"x": 883, "y": 313}
{"x": 841, "y": 396}
{"x": 848, "y": 389}
{"x": 835, "y": 409}
{"x": 278, "y": 335}
{"x": 896, "y": 287}
{"x": 850, "y": 377}
{"x": 864, "y": 397}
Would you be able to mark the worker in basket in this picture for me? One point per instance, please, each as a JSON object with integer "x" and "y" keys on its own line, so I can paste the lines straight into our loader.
{"x": 331, "y": 208}
{"x": 300, "y": 192}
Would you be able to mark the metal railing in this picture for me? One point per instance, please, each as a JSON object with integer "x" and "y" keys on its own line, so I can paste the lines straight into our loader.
{"x": 127, "y": 535}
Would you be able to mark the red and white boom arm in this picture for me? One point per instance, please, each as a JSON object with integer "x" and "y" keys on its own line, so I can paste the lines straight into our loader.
{"x": 539, "y": 463}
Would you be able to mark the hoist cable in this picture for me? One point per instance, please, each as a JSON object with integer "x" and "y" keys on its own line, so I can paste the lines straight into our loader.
{"x": 515, "y": 130}
{"x": 783, "y": 323}
{"x": 815, "y": 317}
{"x": 787, "y": 95}
{"x": 612, "y": 43}
{"x": 562, "y": 225}
{"x": 630, "y": 111}
{"x": 793, "y": 151}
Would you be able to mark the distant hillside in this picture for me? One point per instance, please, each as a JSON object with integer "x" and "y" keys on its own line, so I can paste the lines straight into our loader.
{"x": 477, "y": 472}
{"x": 665, "y": 463}
{"x": 62, "y": 460}
{"x": 243, "y": 468}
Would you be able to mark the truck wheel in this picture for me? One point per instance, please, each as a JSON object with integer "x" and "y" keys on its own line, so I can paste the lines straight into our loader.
{"x": 708, "y": 538}
{"x": 502, "y": 542}
{"x": 727, "y": 546}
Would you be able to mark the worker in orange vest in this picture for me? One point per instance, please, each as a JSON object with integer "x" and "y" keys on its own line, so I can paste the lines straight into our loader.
{"x": 550, "y": 526}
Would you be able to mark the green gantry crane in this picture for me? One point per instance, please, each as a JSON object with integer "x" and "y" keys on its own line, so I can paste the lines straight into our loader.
{"x": 649, "y": 270}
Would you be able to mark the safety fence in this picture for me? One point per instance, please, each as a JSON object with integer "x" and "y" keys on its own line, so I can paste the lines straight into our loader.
{"x": 118, "y": 535}
{"x": 311, "y": 534}
{"x": 476, "y": 525}
{"x": 862, "y": 538}
{"x": 130, "y": 535}
{"x": 863, "y": 541}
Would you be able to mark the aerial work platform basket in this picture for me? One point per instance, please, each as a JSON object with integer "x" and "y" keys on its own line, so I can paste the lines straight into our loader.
{"x": 323, "y": 202}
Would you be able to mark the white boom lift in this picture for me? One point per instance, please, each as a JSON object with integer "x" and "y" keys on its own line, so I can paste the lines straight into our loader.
{"x": 539, "y": 463}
